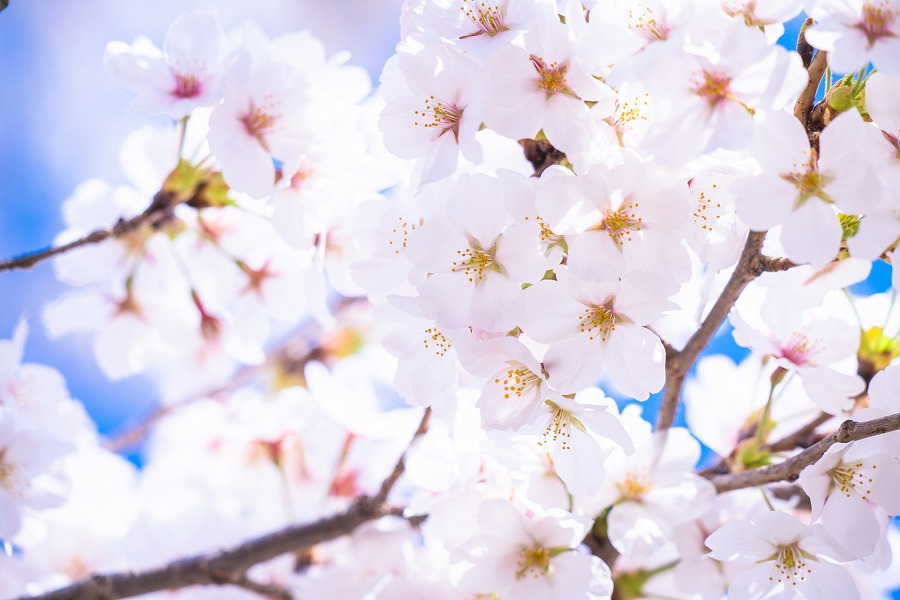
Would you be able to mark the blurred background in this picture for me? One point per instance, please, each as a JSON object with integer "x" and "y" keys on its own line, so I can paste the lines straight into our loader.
{"x": 62, "y": 121}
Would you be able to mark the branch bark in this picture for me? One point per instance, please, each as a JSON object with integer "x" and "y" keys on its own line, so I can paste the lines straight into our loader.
{"x": 790, "y": 469}
{"x": 155, "y": 214}
{"x": 229, "y": 566}
{"x": 749, "y": 266}
{"x": 807, "y": 98}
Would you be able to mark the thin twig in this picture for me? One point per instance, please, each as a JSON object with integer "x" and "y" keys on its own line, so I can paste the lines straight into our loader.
{"x": 266, "y": 590}
{"x": 153, "y": 216}
{"x": 229, "y": 566}
{"x": 790, "y": 469}
{"x": 798, "y": 438}
{"x": 400, "y": 467}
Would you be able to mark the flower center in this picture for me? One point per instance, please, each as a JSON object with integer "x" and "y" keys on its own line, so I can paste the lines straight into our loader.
{"x": 436, "y": 341}
{"x": 712, "y": 86}
{"x": 486, "y": 16}
{"x": 621, "y": 223}
{"x": 440, "y": 116}
{"x": 790, "y": 565}
{"x": 876, "y": 22}
{"x": 808, "y": 181}
{"x": 533, "y": 560}
{"x": 259, "y": 121}
{"x": 597, "y": 322}
{"x": 705, "y": 209}
{"x": 799, "y": 349}
{"x": 401, "y": 233}
{"x": 645, "y": 24}
{"x": 848, "y": 478}
{"x": 473, "y": 262}
{"x": 9, "y": 476}
{"x": 559, "y": 427}
{"x": 635, "y": 484}
{"x": 519, "y": 380}
{"x": 551, "y": 77}
{"x": 186, "y": 86}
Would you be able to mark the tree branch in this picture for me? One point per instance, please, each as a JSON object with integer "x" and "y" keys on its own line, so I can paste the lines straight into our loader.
{"x": 808, "y": 97}
{"x": 790, "y": 469}
{"x": 229, "y": 566}
{"x": 749, "y": 266}
{"x": 158, "y": 212}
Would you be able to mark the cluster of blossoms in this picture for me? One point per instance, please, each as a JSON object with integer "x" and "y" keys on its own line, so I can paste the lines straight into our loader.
{"x": 581, "y": 182}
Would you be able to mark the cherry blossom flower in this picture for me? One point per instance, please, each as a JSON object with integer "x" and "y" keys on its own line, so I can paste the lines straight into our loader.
{"x": 596, "y": 327}
{"x": 785, "y": 558}
{"x": 543, "y": 86}
{"x": 261, "y": 119}
{"x": 479, "y": 26}
{"x": 852, "y": 490}
{"x": 574, "y": 435}
{"x": 518, "y": 557}
{"x": 515, "y": 386}
{"x": 29, "y": 471}
{"x": 801, "y": 189}
{"x": 437, "y": 117}
{"x": 715, "y": 94}
{"x": 427, "y": 355}
{"x": 479, "y": 261}
{"x": 857, "y": 32}
{"x": 811, "y": 348}
{"x": 187, "y": 74}
{"x": 653, "y": 490}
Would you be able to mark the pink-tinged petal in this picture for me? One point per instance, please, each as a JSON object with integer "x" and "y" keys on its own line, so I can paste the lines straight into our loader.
{"x": 849, "y": 158}
{"x": 882, "y": 92}
{"x": 780, "y": 528}
{"x": 246, "y": 165}
{"x": 755, "y": 583}
{"x": 497, "y": 304}
{"x": 884, "y": 389}
{"x": 579, "y": 463}
{"x": 138, "y": 69}
{"x": 738, "y": 541}
{"x": 574, "y": 364}
{"x": 446, "y": 298}
{"x": 763, "y": 201}
{"x": 551, "y": 314}
{"x": 853, "y": 522}
{"x": 828, "y": 581}
{"x": 477, "y": 210}
{"x": 195, "y": 38}
{"x": 403, "y": 137}
{"x": 812, "y": 233}
{"x": 632, "y": 531}
{"x": 635, "y": 361}
{"x": 502, "y": 519}
{"x": 884, "y": 470}
{"x": 440, "y": 160}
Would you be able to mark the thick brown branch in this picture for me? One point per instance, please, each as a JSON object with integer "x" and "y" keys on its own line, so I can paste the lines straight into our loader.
{"x": 3, "y": 4}
{"x": 790, "y": 469}
{"x": 229, "y": 566}
{"x": 749, "y": 266}
{"x": 155, "y": 214}
{"x": 226, "y": 567}
{"x": 808, "y": 97}
{"x": 400, "y": 467}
